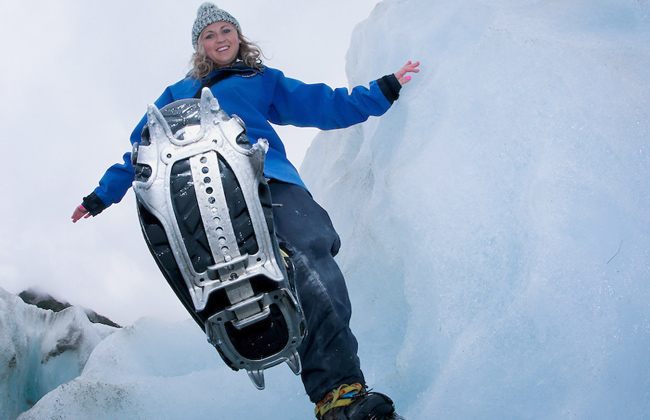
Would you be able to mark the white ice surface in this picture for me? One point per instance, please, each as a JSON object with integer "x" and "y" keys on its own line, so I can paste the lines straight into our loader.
{"x": 495, "y": 221}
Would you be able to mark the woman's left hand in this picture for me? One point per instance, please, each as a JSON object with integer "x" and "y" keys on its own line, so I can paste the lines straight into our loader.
{"x": 408, "y": 68}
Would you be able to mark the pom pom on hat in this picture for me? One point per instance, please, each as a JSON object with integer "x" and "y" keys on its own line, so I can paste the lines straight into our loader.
{"x": 207, "y": 14}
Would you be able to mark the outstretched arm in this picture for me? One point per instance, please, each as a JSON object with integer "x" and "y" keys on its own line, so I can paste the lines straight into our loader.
{"x": 409, "y": 67}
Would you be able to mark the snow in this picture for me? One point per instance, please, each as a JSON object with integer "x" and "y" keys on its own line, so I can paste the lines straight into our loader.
{"x": 495, "y": 230}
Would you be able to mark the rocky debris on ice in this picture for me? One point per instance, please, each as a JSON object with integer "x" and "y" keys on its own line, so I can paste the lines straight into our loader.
{"x": 46, "y": 301}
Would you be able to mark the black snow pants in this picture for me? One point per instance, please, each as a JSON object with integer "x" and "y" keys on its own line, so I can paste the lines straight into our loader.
{"x": 329, "y": 351}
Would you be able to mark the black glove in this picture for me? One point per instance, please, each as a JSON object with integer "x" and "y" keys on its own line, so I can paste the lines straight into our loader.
{"x": 93, "y": 204}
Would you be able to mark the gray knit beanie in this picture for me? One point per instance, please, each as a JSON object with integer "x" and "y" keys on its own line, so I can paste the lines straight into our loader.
{"x": 207, "y": 14}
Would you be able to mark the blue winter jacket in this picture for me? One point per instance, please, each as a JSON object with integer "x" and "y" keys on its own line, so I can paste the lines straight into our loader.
{"x": 261, "y": 97}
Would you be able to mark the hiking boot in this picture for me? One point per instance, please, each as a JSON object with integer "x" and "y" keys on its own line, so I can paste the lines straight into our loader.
{"x": 354, "y": 402}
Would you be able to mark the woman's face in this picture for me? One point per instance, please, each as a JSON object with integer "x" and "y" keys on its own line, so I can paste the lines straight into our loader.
{"x": 221, "y": 43}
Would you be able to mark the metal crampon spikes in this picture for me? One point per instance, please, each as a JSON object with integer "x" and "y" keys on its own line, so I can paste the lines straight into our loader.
{"x": 206, "y": 215}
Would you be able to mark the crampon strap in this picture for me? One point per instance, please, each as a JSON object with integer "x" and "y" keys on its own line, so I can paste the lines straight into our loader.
{"x": 340, "y": 397}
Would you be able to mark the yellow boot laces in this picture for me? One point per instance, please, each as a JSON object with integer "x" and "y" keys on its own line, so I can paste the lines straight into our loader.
{"x": 285, "y": 258}
{"x": 340, "y": 397}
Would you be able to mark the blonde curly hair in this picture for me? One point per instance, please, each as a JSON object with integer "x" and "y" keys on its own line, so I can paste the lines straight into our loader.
{"x": 249, "y": 53}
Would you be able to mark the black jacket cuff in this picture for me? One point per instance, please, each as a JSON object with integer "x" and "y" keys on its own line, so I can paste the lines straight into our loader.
{"x": 93, "y": 204}
{"x": 390, "y": 87}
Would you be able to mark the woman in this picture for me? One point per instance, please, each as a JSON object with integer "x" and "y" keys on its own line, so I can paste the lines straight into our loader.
{"x": 232, "y": 67}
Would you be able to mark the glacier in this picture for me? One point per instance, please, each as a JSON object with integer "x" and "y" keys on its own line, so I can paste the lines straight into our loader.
{"x": 495, "y": 229}
{"x": 495, "y": 222}
{"x": 40, "y": 350}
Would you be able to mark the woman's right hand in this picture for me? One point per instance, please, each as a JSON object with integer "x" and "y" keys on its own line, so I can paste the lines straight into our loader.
{"x": 80, "y": 212}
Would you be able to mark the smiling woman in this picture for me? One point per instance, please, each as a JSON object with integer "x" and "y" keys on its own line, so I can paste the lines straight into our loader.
{"x": 220, "y": 45}
{"x": 220, "y": 42}
{"x": 231, "y": 68}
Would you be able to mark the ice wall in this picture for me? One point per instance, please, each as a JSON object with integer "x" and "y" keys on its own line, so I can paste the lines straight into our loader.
{"x": 495, "y": 222}
{"x": 40, "y": 350}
